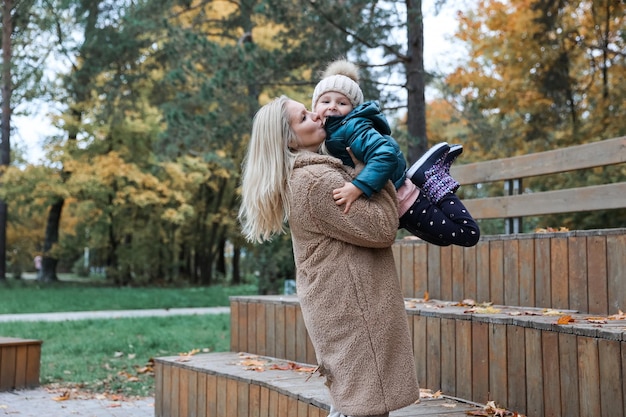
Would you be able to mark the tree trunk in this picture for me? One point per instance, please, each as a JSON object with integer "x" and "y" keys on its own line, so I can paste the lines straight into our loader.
{"x": 5, "y": 145}
{"x": 47, "y": 273}
{"x": 415, "y": 81}
{"x": 236, "y": 272}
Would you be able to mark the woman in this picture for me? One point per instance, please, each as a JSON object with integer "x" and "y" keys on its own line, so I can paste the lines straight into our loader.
{"x": 346, "y": 278}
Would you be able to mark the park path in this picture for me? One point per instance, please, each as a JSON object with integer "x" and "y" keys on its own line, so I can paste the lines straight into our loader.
{"x": 44, "y": 401}
{"x": 116, "y": 314}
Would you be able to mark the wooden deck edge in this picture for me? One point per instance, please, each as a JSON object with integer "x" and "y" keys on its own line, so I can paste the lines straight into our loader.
{"x": 242, "y": 384}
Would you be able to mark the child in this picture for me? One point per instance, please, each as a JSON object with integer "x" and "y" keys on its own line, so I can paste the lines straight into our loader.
{"x": 428, "y": 207}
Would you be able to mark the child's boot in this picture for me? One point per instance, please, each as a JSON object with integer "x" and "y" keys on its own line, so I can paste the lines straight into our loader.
{"x": 438, "y": 181}
{"x": 417, "y": 172}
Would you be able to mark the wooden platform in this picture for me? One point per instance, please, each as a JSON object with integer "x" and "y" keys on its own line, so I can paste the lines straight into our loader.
{"x": 577, "y": 270}
{"x": 522, "y": 358}
{"x": 19, "y": 363}
{"x": 240, "y": 384}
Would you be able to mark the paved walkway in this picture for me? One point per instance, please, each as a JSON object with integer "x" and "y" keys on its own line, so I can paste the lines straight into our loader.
{"x": 44, "y": 402}
{"x": 82, "y": 315}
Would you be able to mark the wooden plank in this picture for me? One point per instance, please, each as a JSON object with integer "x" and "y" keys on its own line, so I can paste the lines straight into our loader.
{"x": 261, "y": 329}
{"x": 159, "y": 393}
{"x": 242, "y": 325}
{"x": 611, "y": 379}
{"x": 433, "y": 353}
{"x": 303, "y": 409}
{"x": 251, "y": 328}
{"x": 232, "y": 391}
{"x": 483, "y": 286}
{"x": 292, "y": 407}
{"x": 616, "y": 270}
{"x": 221, "y": 397}
{"x": 463, "y": 359}
{"x": 448, "y": 356}
{"x": 213, "y": 392}
{"x": 7, "y": 367}
{"x": 21, "y": 361}
{"x": 290, "y": 332}
{"x": 33, "y": 365}
{"x": 310, "y": 352}
{"x": 243, "y": 399}
{"x": 469, "y": 276}
{"x": 192, "y": 404}
{"x": 480, "y": 362}
{"x": 314, "y": 411}
{"x": 559, "y": 273}
{"x": 496, "y": 271}
{"x": 445, "y": 262}
{"x": 551, "y": 374}
{"x": 420, "y": 270}
{"x": 406, "y": 270}
{"x": 458, "y": 284}
{"x": 569, "y": 362}
{"x": 254, "y": 400}
{"x": 270, "y": 329}
{"x": 234, "y": 326}
{"x": 516, "y": 369}
{"x": 174, "y": 392}
{"x": 434, "y": 271}
{"x": 279, "y": 331}
{"x": 273, "y": 404}
{"x": 498, "y": 384}
{"x": 534, "y": 372}
{"x": 420, "y": 348}
{"x": 595, "y": 197}
{"x": 589, "y": 377}
{"x": 301, "y": 338}
{"x": 543, "y": 284}
{"x": 264, "y": 407}
{"x": 510, "y": 252}
{"x": 527, "y": 272}
{"x": 577, "y": 271}
{"x": 183, "y": 392}
{"x": 597, "y": 275}
{"x": 588, "y": 155}
{"x": 203, "y": 395}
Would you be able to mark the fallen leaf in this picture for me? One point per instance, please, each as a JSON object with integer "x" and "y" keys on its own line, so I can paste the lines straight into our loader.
{"x": 63, "y": 397}
{"x": 551, "y": 312}
{"x": 597, "y": 320}
{"x": 566, "y": 319}
{"x": 426, "y": 296}
{"x": 619, "y": 316}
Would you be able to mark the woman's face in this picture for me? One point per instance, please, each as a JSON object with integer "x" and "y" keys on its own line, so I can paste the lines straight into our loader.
{"x": 306, "y": 125}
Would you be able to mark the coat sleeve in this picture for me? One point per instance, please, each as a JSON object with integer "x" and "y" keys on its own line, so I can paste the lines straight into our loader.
{"x": 378, "y": 154}
{"x": 371, "y": 222}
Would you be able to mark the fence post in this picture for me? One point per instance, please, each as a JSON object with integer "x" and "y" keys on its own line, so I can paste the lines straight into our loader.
{"x": 513, "y": 225}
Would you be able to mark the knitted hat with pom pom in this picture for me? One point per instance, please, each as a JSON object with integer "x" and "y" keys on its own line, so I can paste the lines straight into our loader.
{"x": 341, "y": 76}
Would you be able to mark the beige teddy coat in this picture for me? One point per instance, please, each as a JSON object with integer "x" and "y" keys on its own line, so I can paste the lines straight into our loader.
{"x": 348, "y": 289}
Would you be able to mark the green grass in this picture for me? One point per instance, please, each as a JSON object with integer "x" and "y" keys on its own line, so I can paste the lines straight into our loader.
{"x": 109, "y": 355}
{"x": 31, "y": 297}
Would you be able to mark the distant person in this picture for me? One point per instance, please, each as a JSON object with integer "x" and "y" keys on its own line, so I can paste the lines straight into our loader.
{"x": 428, "y": 205}
{"x": 346, "y": 278}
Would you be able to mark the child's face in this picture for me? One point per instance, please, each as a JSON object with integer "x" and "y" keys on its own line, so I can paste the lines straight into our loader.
{"x": 333, "y": 104}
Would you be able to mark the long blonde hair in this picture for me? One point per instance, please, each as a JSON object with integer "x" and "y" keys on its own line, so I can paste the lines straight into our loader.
{"x": 265, "y": 171}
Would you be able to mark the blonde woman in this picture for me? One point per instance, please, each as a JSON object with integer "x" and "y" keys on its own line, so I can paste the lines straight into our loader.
{"x": 346, "y": 278}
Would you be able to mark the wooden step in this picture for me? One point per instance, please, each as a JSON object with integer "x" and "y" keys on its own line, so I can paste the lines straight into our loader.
{"x": 19, "y": 363}
{"x": 240, "y": 384}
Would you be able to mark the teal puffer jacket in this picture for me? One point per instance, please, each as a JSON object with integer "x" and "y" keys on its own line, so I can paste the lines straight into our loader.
{"x": 366, "y": 131}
